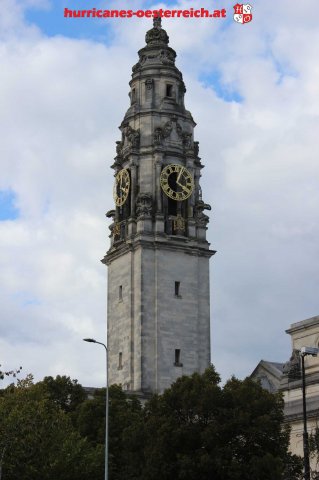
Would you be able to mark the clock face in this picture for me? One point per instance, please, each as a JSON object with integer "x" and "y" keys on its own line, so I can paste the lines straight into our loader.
{"x": 121, "y": 187}
{"x": 177, "y": 182}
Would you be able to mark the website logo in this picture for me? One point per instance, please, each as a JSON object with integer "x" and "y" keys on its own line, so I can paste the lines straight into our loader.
{"x": 243, "y": 13}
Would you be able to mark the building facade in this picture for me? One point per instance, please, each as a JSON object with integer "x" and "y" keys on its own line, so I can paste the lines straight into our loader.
{"x": 158, "y": 261}
{"x": 286, "y": 378}
{"x": 303, "y": 334}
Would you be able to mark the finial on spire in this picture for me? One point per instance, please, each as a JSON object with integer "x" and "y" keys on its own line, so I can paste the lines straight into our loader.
{"x": 157, "y": 22}
{"x": 156, "y": 36}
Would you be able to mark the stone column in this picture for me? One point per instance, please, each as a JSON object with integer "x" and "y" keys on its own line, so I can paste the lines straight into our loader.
{"x": 191, "y": 201}
{"x": 158, "y": 168}
{"x": 132, "y": 221}
{"x": 158, "y": 163}
{"x": 133, "y": 186}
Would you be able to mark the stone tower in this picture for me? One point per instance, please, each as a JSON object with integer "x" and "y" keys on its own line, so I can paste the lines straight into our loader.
{"x": 158, "y": 261}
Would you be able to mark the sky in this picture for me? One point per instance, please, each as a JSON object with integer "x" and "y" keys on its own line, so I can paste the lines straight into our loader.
{"x": 253, "y": 90}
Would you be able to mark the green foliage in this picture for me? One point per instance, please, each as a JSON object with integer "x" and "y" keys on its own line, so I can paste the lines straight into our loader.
{"x": 39, "y": 441}
{"x": 9, "y": 373}
{"x": 314, "y": 446}
{"x": 63, "y": 391}
{"x": 195, "y": 430}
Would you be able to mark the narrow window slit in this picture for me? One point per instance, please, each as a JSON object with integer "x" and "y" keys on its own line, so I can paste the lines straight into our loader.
{"x": 177, "y": 362}
{"x": 120, "y": 361}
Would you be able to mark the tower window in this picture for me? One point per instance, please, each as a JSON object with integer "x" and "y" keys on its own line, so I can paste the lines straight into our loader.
{"x": 120, "y": 293}
{"x": 133, "y": 96}
{"x": 177, "y": 289}
{"x": 120, "y": 361}
{"x": 177, "y": 362}
{"x": 169, "y": 90}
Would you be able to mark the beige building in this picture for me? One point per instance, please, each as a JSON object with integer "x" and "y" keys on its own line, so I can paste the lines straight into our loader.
{"x": 287, "y": 379}
{"x": 303, "y": 334}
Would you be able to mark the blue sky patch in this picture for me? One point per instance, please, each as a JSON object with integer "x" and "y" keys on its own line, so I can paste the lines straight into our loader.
{"x": 223, "y": 91}
{"x": 8, "y": 210}
{"x": 52, "y": 22}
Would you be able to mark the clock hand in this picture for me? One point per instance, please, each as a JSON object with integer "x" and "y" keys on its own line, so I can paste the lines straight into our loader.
{"x": 179, "y": 176}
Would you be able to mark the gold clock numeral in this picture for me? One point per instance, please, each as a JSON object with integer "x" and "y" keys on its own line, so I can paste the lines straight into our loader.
{"x": 179, "y": 196}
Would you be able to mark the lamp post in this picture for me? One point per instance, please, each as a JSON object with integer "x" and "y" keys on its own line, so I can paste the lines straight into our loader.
{"x": 91, "y": 340}
{"x": 313, "y": 351}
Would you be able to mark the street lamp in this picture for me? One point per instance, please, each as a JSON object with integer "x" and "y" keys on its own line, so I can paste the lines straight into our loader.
{"x": 91, "y": 340}
{"x": 313, "y": 351}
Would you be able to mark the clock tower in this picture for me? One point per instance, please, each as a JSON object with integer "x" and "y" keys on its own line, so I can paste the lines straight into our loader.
{"x": 158, "y": 261}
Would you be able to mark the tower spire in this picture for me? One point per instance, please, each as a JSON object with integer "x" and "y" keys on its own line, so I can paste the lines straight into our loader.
{"x": 157, "y": 22}
{"x": 158, "y": 261}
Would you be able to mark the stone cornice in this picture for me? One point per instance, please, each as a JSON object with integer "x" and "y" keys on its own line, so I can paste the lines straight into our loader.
{"x": 183, "y": 244}
{"x": 287, "y": 385}
{"x": 305, "y": 324}
{"x": 294, "y": 410}
{"x": 139, "y": 112}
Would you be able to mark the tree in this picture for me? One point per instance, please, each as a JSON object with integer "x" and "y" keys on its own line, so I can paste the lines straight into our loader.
{"x": 125, "y": 423}
{"x": 9, "y": 373}
{"x": 66, "y": 393}
{"x": 314, "y": 450}
{"x": 197, "y": 429}
{"x": 39, "y": 440}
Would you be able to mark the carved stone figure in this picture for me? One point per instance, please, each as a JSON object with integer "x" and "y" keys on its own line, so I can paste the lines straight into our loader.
{"x": 149, "y": 83}
{"x": 187, "y": 140}
{"x": 144, "y": 204}
{"x": 179, "y": 130}
{"x": 156, "y": 35}
{"x": 196, "y": 149}
{"x": 119, "y": 146}
{"x": 199, "y": 215}
{"x": 179, "y": 224}
{"x": 110, "y": 214}
{"x": 136, "y": 67}
{"x": 158, "y": 136}
{"x": 167, "y": 129}
{"x": 133, "y": 136}
{"x": 292, "y": 368}
{"x": 166, "y": 57}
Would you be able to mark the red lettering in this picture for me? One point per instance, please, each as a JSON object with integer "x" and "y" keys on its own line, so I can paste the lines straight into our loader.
{"x": 204, "y": 13}
{"x": 68, "y": 13}
{"x": 166, "y": 13}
